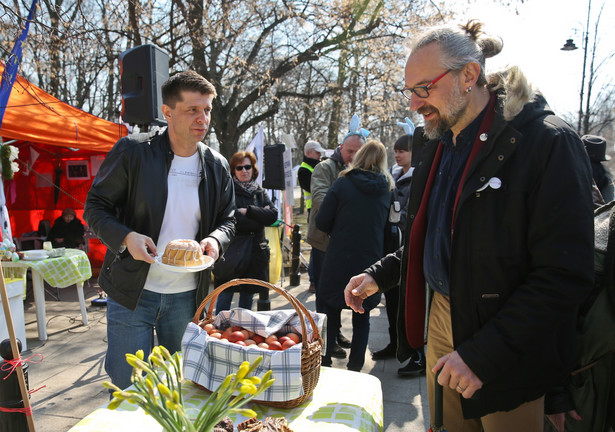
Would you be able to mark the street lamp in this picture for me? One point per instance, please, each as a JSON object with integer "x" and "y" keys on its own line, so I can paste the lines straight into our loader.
{"x": 570, "y": 46}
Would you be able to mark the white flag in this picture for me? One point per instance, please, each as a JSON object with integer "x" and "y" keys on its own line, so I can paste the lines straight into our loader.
{"x": 256, "y": 147}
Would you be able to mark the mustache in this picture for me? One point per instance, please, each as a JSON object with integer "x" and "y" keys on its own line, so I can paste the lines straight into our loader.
{"x": 427, "y": 109}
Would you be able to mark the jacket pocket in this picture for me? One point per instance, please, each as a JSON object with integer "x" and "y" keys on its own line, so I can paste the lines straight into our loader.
{"x": 488, "y": 305}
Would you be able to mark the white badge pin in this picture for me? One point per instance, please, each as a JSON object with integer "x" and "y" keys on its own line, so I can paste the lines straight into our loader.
{"x": 483, "y": 137}
{"x": 493, "y": 183}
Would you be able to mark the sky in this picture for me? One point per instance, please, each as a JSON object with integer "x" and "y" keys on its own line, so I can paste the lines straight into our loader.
{"x": 533, "y": 38}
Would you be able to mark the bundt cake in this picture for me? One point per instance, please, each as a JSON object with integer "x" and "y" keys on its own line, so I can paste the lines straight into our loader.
{"x": 183, "y": 253}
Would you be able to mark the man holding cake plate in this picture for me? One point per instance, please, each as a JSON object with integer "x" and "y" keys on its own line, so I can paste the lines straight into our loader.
{"x": 161, "y": 191}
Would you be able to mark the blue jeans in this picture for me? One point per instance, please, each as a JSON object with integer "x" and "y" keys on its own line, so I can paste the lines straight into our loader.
{"x": 226, "y": 297}
{"x": 129, "y": 331}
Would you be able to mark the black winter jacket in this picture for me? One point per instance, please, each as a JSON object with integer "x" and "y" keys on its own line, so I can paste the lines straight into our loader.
{"x": 522, "y": 256}
{"x": 304, "y": 175}
{"x": 401, "y": 193}
{"x": 129, "y": 194}
{"x": 253, "y": 223}
{"x": 353, "y": 213}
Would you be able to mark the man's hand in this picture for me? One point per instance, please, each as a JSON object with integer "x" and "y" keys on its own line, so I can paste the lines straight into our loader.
{"x": 210, "y": 247}
{"x": 457, "y": 375}
{"x": 138, "y": 245}
{"x": 358, "y": 289}
{"x": 559, "y": 419}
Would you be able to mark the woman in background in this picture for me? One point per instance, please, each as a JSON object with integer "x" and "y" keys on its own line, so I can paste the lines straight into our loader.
{"x": 254, "y": 212}
{"x": 354, "y": 213}
{"x": 67, "y": 230}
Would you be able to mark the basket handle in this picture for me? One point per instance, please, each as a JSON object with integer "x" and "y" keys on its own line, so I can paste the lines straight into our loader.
{"x": 296, "y": 304}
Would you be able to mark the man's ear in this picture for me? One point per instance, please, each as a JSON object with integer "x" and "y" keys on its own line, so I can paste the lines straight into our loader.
{"x": 166, "y": 111}
{"x": 470, "y": 74}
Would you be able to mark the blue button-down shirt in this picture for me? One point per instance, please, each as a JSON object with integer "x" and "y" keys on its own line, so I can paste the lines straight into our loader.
{"x": 437, "y": 254}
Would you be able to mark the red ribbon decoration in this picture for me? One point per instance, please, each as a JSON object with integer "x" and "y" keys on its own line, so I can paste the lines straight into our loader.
{"x": 11, "y": 365}
{"x": 26, "y": 411}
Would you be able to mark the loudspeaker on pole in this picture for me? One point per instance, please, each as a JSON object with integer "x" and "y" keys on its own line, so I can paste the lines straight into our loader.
{"x": 273, "y": 166}
{"x": 143, "y": 70}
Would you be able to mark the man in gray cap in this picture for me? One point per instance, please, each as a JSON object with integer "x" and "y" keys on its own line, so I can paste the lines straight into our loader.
{"x": 596, "y": 149}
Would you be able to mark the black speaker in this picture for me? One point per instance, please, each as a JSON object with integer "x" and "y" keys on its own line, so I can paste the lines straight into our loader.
{"x": 143, "y": 70}
{"x": 273, "y": 167}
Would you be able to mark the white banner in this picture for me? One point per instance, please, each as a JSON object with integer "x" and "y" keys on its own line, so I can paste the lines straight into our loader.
{"x": 256, "y": 147}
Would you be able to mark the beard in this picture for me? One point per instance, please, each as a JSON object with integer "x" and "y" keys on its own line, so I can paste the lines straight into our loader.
{"x": 452, "y": 112}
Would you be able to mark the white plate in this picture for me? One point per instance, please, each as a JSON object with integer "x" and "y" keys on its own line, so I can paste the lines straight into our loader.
{"x": 209, "y": 261}
{"x": 36, "y": 257}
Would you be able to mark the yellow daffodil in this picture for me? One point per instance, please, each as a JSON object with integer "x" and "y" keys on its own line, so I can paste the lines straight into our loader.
{"x": 161, "y": 375}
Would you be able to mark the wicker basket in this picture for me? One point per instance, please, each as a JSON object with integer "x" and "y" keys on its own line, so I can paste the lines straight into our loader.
{"x": 310, "y": 351}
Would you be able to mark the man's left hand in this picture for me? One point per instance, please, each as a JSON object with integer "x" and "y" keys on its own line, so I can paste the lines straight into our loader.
{"x": 457, "y": 375}
{"x": 210, "y": 247}
{"x": 559, "y": 420}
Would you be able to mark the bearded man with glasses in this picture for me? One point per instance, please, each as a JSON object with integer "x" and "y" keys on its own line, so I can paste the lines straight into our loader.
{"x": 500, "y": 231}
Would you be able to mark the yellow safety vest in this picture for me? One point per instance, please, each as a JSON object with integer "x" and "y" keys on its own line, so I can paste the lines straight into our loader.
{"x": 306, "y": 195}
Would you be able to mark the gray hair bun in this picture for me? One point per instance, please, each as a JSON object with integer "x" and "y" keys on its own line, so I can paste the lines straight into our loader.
{"x": 489, "y": 45}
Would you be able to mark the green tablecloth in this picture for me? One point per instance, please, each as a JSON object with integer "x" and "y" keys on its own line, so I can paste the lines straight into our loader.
{"x": 343, "y": 401}
{"x": 61, "y": 272}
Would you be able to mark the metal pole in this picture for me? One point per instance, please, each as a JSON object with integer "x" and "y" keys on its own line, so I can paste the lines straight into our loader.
{"x": 263, "y": 303}
{"x": 585, "y": 44}
{"x": 295, "y": 276}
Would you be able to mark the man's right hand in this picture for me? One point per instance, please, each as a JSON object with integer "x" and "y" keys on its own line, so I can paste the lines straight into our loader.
{"x": 358, "y": 289}
{"x": 138, "y": 245}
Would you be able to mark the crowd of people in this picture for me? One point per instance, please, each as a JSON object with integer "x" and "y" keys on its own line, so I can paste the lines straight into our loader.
{"x": 480, "y": 238}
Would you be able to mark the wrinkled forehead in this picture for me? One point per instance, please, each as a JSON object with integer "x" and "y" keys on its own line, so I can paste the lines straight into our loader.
{"x": 423, "y": 65}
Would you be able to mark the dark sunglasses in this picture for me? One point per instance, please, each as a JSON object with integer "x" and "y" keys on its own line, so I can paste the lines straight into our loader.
{"x": 243, "y": 167}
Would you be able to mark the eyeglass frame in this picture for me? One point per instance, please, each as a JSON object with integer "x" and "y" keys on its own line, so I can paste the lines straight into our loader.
{"x": 243, "y": 167}
{"x": 425, "y": 87}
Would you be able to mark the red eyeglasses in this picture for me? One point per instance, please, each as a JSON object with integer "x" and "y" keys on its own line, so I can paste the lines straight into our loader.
{"x": 421, "y": 91}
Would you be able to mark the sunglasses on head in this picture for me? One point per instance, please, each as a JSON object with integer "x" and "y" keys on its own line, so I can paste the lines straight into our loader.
{"x": 243, "y": 167}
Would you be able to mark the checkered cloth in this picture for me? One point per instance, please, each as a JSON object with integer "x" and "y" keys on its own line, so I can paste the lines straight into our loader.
{"x": 207, "y": 360}
{"x": 72, "y": 267}
{"x": 60, "y": 272}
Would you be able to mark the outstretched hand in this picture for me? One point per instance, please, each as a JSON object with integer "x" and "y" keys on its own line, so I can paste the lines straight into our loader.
{"x": 141, "y": 247}
{"x": 210, "y": 247}
{"x": 358, "y": 289}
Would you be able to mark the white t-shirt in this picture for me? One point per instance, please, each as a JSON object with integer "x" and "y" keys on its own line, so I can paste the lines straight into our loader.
{"x": 182, "y": 216}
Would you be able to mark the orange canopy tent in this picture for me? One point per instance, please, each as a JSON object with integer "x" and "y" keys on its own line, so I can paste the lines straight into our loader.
{"x": 35, "y": 116}
{"x": 60, "y": 150}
